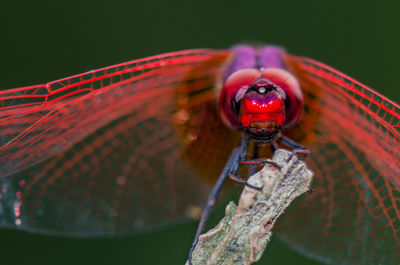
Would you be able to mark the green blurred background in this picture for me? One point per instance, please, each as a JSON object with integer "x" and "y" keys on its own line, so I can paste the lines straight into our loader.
{"x": 46, "y": 40}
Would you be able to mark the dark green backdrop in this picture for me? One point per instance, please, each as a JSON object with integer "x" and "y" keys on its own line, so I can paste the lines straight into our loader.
{"x": 47, "y": 40}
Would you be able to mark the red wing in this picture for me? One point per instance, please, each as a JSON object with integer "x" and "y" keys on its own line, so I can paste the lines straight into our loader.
{"x": 353, "y": 217}
{"x": 40, "y": 121}
{"x": 100, "y": 153}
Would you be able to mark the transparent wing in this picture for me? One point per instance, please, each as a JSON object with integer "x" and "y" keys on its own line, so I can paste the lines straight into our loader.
{"x": 353, "y": 217}
{"x": 104, "y": 152}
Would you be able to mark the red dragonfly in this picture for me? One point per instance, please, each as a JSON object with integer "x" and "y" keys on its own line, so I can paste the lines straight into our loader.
{"x": 137, "y": 145}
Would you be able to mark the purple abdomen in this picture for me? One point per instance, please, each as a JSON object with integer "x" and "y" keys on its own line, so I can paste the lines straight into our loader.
{"x": 255, "y": 57}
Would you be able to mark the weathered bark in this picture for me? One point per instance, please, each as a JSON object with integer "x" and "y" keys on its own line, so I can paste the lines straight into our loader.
{"x": 243, "y": 234}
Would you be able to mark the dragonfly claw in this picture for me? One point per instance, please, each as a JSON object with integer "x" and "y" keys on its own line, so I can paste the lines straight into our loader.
{"x": 244, "y": 182}
{"x": 261, "y": 161}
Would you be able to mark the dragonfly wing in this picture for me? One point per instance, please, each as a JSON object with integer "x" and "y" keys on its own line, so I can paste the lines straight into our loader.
{"x": 353, "y": 217}
{"x": 103, "y": 152}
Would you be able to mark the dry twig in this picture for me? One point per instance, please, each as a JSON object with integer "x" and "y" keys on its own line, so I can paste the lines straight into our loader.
{"x": 243, "y": 234}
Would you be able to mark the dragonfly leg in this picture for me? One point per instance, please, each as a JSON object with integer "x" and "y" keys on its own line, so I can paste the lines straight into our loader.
{"x": 243, "y": 182}
{"x": 274, "y": 146}
{"x": 298, "y": 149}
{"x": 310, "y": 190}
{"x": 261, "y": 161}
{"x": 229, "y": 168}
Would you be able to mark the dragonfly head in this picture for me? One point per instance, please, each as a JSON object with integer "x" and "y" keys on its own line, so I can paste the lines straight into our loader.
{"x": 262, "y": 109}
{"x": 260, "y": 102}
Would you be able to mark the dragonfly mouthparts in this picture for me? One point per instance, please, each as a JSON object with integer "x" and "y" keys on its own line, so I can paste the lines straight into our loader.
{"x": 263, "y": 125}
{"x": 265, "y": 131}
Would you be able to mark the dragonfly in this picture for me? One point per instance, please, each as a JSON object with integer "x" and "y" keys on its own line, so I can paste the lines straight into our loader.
{"x": 139, "y": 145}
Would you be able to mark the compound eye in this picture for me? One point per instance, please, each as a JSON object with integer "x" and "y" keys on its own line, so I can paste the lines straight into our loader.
{"x": 283, "y": 79}
{"x": 234, "y": 89}
{"x": 242, "y": 77}
{"x": 294, "y": 97}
